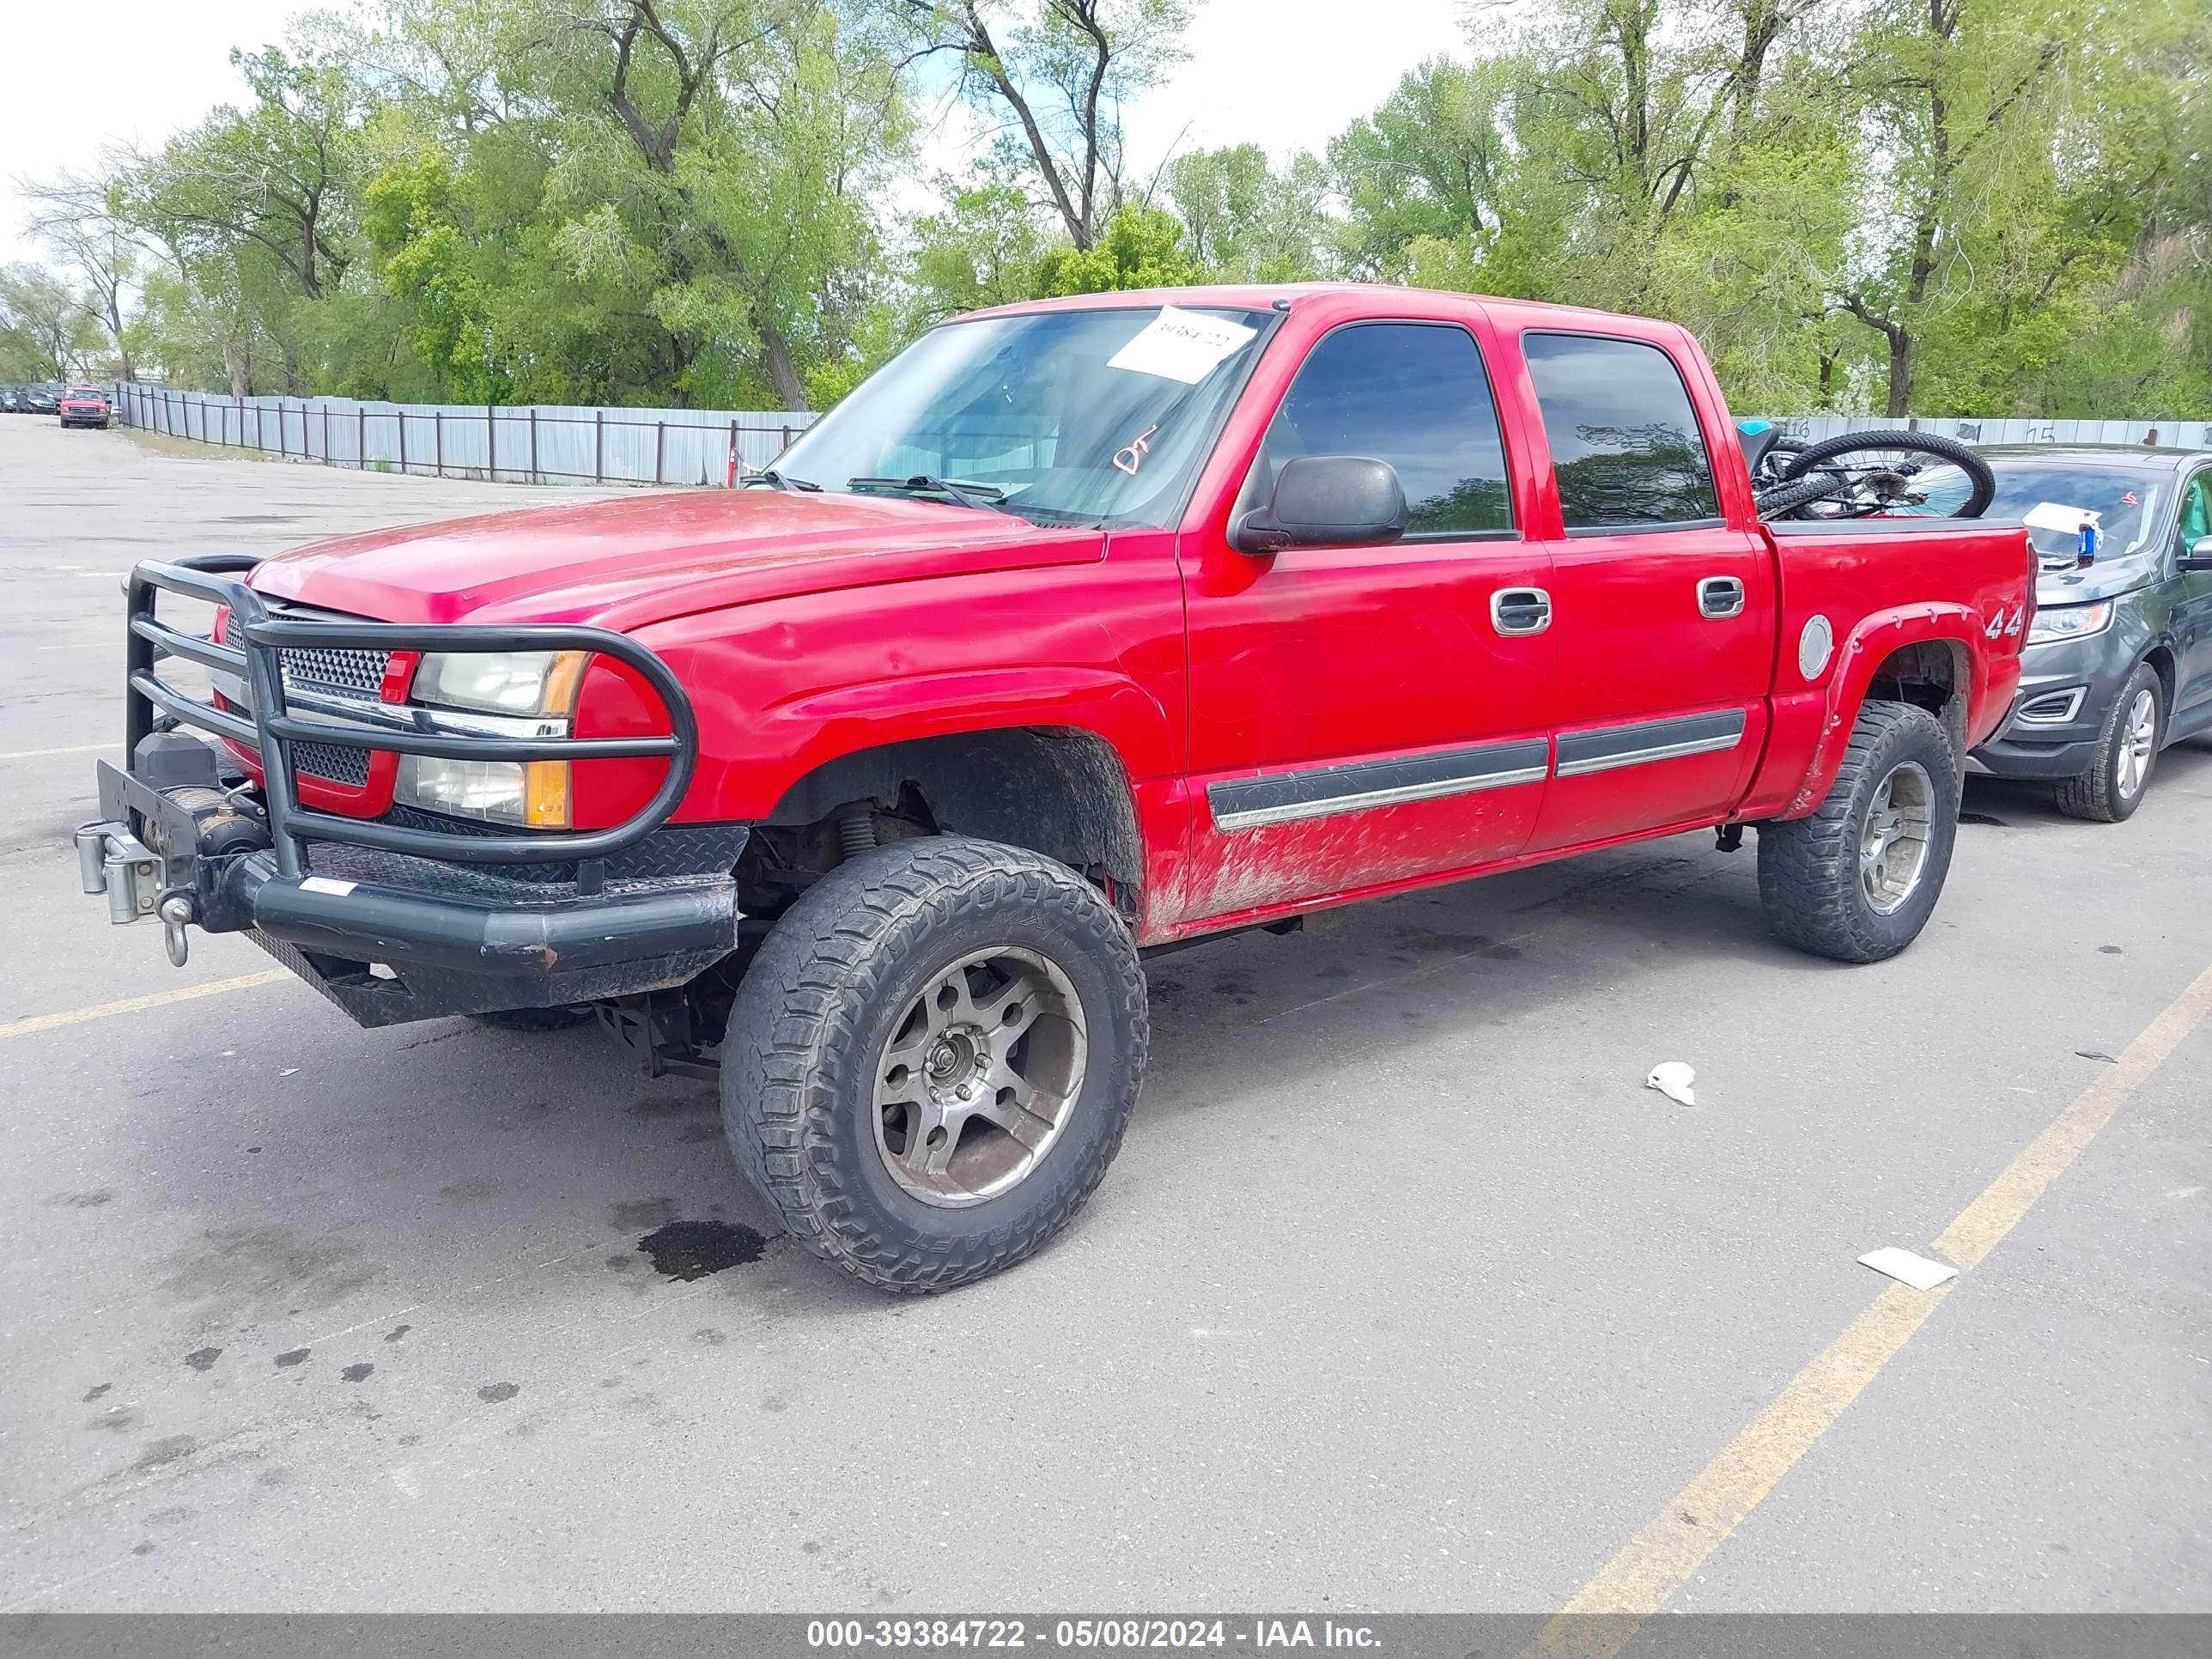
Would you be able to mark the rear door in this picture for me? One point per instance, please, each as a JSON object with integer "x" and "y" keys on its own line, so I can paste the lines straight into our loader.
{"x": 1664, "y": 613}
{"x": 1364, "y": 716}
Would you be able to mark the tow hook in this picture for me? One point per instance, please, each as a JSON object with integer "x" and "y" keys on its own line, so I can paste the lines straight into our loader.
{"x": 113, "y": 861}
{"x": 176, "y": 915}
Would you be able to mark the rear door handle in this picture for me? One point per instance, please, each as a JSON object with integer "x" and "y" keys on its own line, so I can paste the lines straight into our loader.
{"x": 1520, "y": 610}
{"x": 1720, "y": 598}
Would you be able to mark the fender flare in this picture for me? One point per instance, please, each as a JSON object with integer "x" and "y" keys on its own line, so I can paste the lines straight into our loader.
{"x": 1868, "y": 645}
{"x": 878, "y": 714}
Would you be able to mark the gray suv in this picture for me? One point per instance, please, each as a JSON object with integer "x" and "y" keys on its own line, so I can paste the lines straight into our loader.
{"x": 2119, "y": 661}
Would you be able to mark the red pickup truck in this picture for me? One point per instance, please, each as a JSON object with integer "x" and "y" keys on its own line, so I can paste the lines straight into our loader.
{"x": 1082, "y": 629}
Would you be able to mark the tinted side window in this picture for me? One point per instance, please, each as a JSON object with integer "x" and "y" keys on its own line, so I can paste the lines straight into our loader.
{"x": 1624, "y": 438}
{"x": 1412, "y": 394}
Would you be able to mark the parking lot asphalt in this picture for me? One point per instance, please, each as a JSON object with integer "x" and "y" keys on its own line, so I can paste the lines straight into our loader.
{"x": 1404, "y": 1295}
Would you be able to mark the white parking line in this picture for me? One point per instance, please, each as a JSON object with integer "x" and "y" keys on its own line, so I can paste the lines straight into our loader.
{"x": 75, "y": 748}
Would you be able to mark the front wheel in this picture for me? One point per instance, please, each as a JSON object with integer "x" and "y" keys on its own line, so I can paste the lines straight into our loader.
{"x": 2127, "y": 749}
{"x": 1858, "y": 879}
{"x": 932, "y": 1059}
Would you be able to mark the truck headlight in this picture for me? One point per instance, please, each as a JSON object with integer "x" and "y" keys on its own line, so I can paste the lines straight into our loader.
{"x": 2070, "y": 622}
{"x": 533, "y": 795}
{"x": 537, "y": 690}
{"x": 500, "y": 682}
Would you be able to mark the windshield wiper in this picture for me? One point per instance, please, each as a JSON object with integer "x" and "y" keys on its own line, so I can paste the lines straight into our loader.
{"x": 775, "y": 480}
{"x": 924, "y": 483}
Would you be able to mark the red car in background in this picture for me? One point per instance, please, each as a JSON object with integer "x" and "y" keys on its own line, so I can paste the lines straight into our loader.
{"x": 84, "y": 405}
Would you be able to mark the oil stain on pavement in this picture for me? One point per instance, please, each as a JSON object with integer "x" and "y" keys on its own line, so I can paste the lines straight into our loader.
{"x": 693, "y": 1250}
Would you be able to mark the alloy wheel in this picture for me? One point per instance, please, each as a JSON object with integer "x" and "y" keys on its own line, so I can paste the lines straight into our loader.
{"x": 979, "y": 1077}
{"x": 2138, "y": 743}
{"x": 1893, "y": 844}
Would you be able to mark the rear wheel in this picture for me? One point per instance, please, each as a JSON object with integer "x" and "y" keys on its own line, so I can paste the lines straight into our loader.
{"x": 1858, "y": 879}
{"x": 932, "y": 1059}
{"x": 2127, "y": 749}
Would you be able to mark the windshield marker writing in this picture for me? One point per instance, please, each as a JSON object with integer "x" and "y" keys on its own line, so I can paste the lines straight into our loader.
{"x": 1132, "y": 455}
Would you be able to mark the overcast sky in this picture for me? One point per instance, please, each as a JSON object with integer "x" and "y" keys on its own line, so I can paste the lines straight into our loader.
{"x": 1285, "y": 74}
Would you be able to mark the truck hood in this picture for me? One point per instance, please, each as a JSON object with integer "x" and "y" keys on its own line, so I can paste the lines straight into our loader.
{"x": 632, "y": 560}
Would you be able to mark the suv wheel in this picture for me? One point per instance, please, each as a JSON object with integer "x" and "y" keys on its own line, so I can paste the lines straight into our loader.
{"x": 1858, "y": 879}
{"x": 932, "y": 1059}
{"x": 2127, "y": 749}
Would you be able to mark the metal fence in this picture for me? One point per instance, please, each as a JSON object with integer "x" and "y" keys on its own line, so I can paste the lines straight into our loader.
{"x": 517, "y": 444}
{"x": 2164, "y": 434}
{"x": 550, "y": 443}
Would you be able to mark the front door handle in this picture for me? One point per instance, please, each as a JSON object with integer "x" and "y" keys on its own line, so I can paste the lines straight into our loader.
{"x": 1520, "y": 610}
{"x": 1720, "y": 598}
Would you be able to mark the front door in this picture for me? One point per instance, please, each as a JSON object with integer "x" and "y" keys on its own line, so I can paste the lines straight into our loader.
{"x": 2192, "y": 610}
{"x": 1363, "y": 715}
{"x": 1664, "y": 614}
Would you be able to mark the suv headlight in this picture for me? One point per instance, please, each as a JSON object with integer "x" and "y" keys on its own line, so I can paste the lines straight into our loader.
{"x": 2070, "y": 622}
{"x": 534, "y": 692}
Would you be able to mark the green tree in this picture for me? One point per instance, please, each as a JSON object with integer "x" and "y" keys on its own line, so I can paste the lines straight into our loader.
{"x": 1139, "y": 248}
{"x": 1244, "y": 221}
{"x": 1055, "y": 74}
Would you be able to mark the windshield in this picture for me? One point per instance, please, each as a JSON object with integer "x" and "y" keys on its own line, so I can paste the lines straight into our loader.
{"x": 2126, "y": 500}
{"x": 84, "y": 391}
{"x": 1065, "y": 416}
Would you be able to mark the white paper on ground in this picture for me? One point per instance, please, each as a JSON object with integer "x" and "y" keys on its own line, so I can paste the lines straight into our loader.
{"x": 2053, "y": 515}
{"x": 1179, "y": 345}
{"x": 1673, "y": 1079}
{"x": 1917, "y": 1271}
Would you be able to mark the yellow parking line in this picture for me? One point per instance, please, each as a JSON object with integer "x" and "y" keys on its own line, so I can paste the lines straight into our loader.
{"x": 73, "y": 749}
{"x": 1689, "y": 1526}
{"x": 214, "y": 987}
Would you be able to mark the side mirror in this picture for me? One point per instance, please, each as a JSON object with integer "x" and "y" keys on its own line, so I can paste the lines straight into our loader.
{"x": 2198, "y": 554}
{"x": 1326, "y": 501}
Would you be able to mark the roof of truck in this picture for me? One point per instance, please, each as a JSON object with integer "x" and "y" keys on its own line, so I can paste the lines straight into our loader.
{"x": 1388, "y": 299}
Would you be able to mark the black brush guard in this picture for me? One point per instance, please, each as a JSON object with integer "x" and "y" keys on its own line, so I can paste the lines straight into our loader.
{"x": 396, "y": 920}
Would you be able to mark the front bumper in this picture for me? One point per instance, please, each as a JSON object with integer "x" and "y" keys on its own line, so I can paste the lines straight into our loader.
{"x": 390, "y": 937}
{"x": 396, "y": 920}
{"x": 2052, "y": 676}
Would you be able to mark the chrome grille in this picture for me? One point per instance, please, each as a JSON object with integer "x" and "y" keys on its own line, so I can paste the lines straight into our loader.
{"x": 344, "y": 673}
{"x": 356, "y": 673}
{"x": 332, "y": 762}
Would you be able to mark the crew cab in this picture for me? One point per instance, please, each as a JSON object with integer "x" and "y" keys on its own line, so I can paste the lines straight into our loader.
{"x": 1083, "y": 629}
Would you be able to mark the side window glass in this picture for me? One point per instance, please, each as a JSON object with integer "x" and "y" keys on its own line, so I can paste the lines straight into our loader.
{"x": 2196, "y": 510}
{"x": 1412, "y": 394}
{"x": 1625, "y": 439}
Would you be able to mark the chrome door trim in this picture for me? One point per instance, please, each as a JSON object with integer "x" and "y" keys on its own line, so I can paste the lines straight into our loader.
{"x": 1323, "y": 792}
{"x": 1643, "y": 742}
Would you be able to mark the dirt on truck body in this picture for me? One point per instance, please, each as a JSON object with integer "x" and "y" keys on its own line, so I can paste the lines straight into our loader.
{"x": 1083, "y": 629}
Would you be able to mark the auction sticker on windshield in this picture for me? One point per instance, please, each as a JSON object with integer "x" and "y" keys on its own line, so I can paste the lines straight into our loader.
{"x": 1181, "y": 345}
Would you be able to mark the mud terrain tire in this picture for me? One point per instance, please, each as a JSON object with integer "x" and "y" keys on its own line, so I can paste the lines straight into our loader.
{"x": 830, "y": 1003}
{"x": 1899, "y": 787}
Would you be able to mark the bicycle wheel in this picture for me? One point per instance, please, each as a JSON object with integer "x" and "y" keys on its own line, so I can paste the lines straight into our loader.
{"x": 1801, "y": 500}
{"x": 1896, "y": 474}
{"x": 1773, "y": 465}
